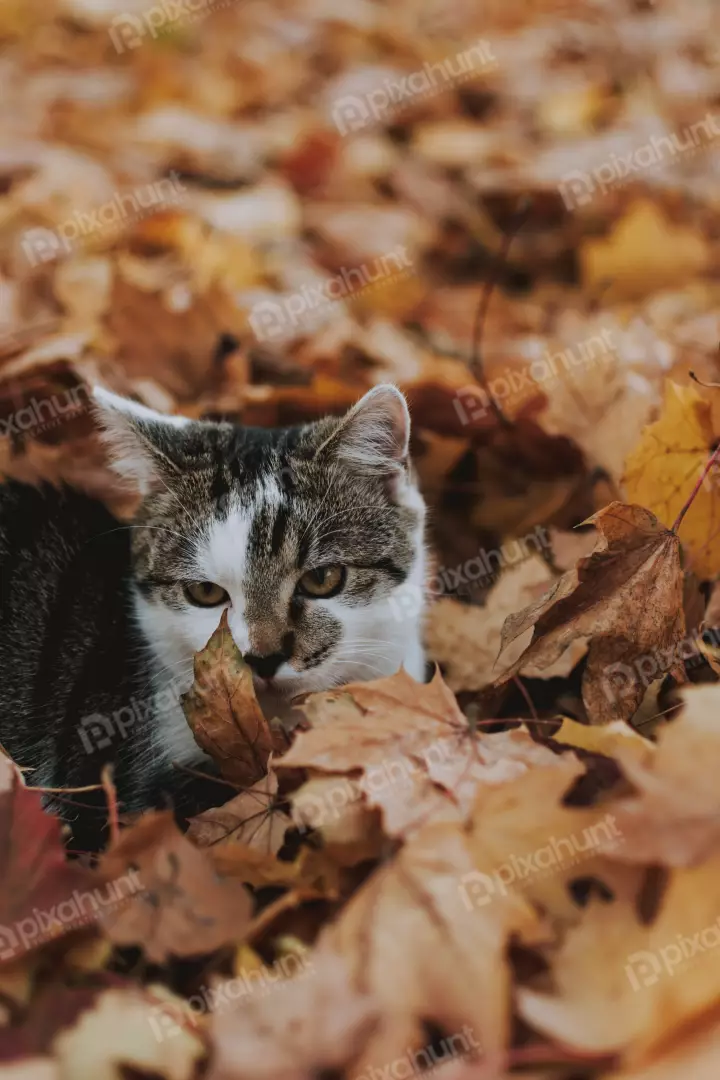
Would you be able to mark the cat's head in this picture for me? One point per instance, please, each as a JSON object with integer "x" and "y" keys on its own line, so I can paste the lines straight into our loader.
{"x": 311, "y": 536}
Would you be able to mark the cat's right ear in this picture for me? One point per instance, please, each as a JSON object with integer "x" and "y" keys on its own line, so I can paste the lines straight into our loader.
{"x": 142, "y": 443}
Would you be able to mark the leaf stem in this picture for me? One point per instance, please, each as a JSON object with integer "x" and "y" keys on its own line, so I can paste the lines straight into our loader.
{"x": 691, "y": 498}
{"x": 106, "y": 779}
{"x": 476, "y": 362}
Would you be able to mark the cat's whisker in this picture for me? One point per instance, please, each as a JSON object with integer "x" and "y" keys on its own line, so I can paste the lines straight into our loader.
{"x": 343, "y": 513}
{"x": 157, "y": 676}
{"x": 174, "y": 495}
{"x": 350, "y": 657}
{"x": 368, "y": 643}
{"x": 159, "y": 528}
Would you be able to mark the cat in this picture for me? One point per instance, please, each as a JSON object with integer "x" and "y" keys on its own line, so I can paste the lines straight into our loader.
{"x": 307, "y": 535}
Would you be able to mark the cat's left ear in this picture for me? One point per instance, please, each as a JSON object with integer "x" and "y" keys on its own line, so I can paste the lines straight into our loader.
{"x": 146, "y": 447}
{"x": 375, "y": 434}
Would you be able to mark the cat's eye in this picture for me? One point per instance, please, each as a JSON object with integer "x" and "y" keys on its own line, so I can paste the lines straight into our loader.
{"x": 323, "y": 581}
{"x": 205, "y": 594}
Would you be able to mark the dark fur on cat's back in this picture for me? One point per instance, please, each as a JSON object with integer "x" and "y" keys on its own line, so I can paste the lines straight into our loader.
{"x": 69, "y": 647}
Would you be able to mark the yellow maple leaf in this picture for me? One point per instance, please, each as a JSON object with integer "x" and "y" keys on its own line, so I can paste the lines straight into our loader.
{"x": 664, "y": 467}
{"x": 643, "y": 253}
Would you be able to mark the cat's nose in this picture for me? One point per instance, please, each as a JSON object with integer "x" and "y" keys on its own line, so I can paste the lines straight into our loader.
{"x": 265, "y": 666}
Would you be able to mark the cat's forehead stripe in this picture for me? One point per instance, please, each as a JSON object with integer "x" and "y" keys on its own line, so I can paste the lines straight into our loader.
{"x": 222, "y": 551}
{"x": 240, "y": 532}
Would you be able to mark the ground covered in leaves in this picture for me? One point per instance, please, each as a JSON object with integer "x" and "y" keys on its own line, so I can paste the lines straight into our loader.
{"x": 257, "y": 211}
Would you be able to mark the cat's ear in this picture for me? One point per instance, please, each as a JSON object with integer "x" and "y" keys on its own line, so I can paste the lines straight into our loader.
{"x": 375, "y": 434}
{"x": 142, "y": 443}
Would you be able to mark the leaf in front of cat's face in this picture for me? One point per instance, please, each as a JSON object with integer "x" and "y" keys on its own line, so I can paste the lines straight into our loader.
{"x": 627, "y": 598}
{"x": 224, "y": 714}
{"x": 180, "y": 907}
{"x": 39, "y": 884}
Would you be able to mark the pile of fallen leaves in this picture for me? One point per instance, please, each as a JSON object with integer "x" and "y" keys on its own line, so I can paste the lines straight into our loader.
{"x": 513, "y": 870}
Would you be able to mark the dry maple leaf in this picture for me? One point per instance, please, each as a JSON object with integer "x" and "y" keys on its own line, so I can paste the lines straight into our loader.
{"x": 40, "y": 887}
{"x": 122, "y": 1034}
{"x": 627, "y": 597}
{"x": 250, "y": 818}
{"x": 674, "y": 819}
{"x": 526, "y": 841}
{"x": 667, "y": 462}
{"x": 625, "y": 987}
{"x": 644, "y": 252}
{"x": 424, "y": 952}
{"x": 183, "y": 908}
{"x": 409, "y": 750}
{"x": 312, "y": 872}
{"x": 311, "y": 1025}
{"x": 105, "y": 1031}
{"x": 465, "y": 639}
{"x": 616, "y": 739}
{"x": 356, "y": 726}
{"x": 223, "y": 711}
{"x": 334, "y": 806}
{"x": 386, "y": 731}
